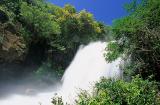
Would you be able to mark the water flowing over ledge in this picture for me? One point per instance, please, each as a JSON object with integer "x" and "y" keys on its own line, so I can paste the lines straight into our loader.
{"x": 87, "y": 67}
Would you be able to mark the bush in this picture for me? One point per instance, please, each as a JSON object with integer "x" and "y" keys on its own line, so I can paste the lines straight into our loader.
{"x": 109, "y": 92}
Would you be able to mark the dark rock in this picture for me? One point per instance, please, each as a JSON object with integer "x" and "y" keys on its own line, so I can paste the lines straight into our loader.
{"x": 12, "y": 47}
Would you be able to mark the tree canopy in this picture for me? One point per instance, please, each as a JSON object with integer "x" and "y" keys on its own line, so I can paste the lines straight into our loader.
{"x": 45, "y": 32}
{"x": 137, "y": 38}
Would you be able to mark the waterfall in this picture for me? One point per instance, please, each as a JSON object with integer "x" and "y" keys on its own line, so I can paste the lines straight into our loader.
{"x": 86, "y": 68}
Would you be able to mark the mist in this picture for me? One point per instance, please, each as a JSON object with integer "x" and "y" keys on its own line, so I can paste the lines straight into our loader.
{"x": 87, "y": 67}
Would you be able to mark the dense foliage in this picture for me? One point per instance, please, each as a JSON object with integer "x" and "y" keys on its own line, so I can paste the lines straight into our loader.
{"x": 33, "y": 32}
{"x": 137, "y": 38}
{"x": 41, "y": 38}
{"x": 111, "y": 92}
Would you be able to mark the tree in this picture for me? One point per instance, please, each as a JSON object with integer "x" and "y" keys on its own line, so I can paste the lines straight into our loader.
{"x": 48, "y": 33}
{"x": 137, "y": 37}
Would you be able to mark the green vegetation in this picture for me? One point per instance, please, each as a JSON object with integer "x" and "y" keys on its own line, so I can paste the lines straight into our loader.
{"x": 137, "y": 38}
{"x": 40, "y": 38}
{"x": 137, "y": 41}
{"x": 110, "y": 92}
{"x": 33, "y": 32}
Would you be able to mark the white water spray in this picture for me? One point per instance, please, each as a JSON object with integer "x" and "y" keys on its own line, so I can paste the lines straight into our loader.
{"x": 87, "y": 67}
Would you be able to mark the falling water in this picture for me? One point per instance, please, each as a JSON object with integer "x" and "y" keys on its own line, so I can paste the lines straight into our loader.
{"x": 87, "y": 67}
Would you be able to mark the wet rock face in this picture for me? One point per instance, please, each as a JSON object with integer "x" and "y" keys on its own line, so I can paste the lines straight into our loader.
{"x": 12, "y": 47}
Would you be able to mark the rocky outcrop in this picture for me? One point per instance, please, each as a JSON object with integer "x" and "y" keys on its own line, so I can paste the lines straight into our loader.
{"x": 12, "y": 46}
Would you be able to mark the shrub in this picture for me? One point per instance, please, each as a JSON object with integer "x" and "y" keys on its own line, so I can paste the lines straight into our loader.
{"x": 109, "y": 92}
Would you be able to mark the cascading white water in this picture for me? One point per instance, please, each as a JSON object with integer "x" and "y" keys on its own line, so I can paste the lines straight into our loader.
{"x": 87, "y": 67}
